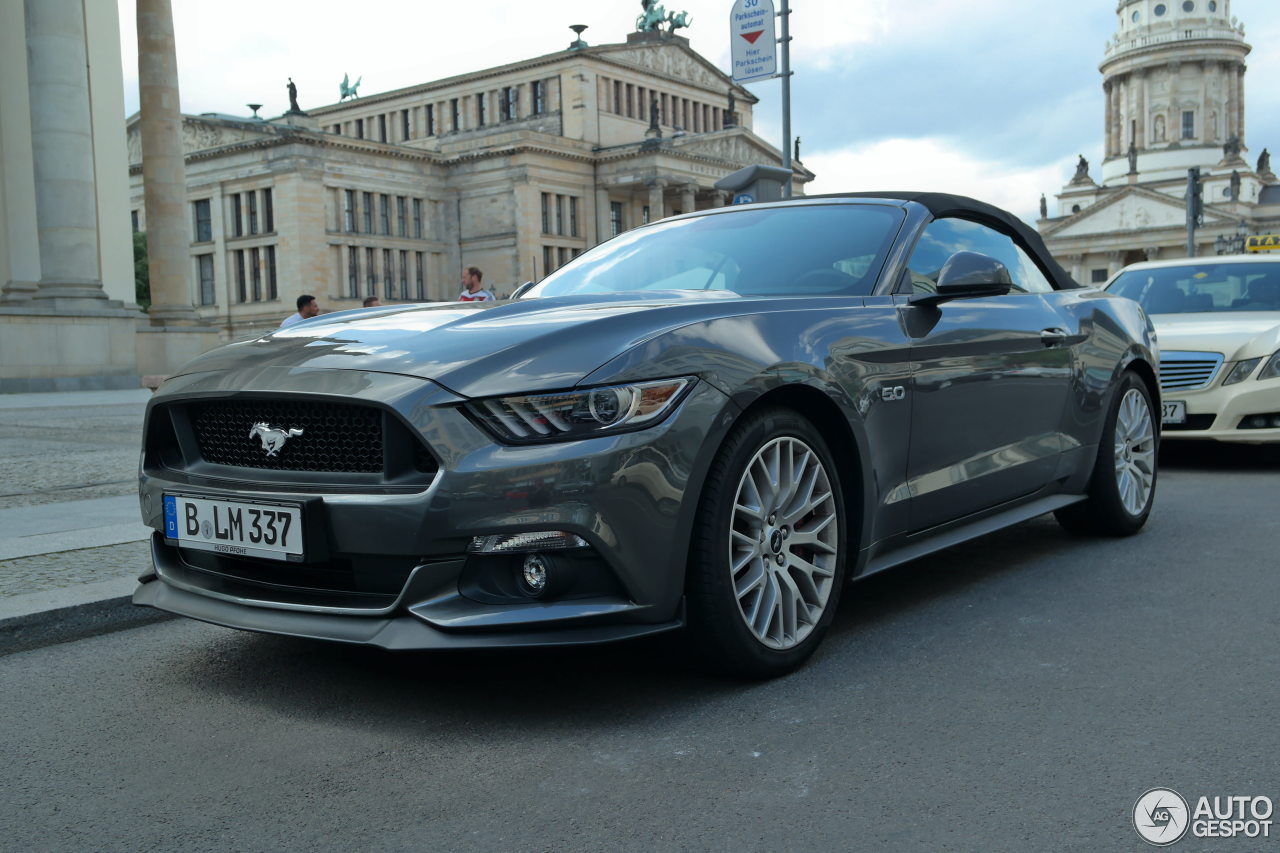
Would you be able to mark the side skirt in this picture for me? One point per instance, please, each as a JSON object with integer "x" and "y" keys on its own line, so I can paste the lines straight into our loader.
{"x": 938, "y": 539}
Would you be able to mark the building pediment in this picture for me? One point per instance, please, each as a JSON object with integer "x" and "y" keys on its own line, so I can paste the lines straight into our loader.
{"x": 201, "y": 134}
{"x": 673, "y": 59}
{"x": 1128, "y": 209}
{"x": 734, "y": 146}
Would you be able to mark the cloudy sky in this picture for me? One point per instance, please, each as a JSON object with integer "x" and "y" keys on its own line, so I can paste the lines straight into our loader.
{"x": 990, "y": 98}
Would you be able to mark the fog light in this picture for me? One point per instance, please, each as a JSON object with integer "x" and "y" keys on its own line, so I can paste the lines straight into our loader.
{"x": 534, "y": 574}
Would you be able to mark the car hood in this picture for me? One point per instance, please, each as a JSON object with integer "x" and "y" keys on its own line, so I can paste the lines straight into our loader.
{"x": 480, "y": 349}
{"x": 1236, "y": 335}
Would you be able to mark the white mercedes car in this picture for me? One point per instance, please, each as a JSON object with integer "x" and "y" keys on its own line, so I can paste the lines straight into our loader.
{"x": 1218, "y": 325}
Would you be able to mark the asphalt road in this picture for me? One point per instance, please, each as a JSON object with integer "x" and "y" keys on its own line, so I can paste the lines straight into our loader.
{"x": 1018, "y": 693}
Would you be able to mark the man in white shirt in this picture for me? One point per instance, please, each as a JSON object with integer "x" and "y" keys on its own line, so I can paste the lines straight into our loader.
{"x": 308, "y": 307}
{"x": 471, "y": 289}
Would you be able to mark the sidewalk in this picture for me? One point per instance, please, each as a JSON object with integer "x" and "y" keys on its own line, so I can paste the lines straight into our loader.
{"x": 72, "y": 542}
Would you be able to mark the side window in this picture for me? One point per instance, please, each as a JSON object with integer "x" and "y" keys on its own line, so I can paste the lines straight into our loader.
{"x": 942, "y": 238}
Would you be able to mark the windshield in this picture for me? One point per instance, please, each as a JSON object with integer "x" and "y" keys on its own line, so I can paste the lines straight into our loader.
{"x": 819, "y": 250}
{"x": 1202, "y": 288}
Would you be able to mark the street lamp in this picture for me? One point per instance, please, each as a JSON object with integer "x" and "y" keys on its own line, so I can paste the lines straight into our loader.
{"x": 1234, "y": 244}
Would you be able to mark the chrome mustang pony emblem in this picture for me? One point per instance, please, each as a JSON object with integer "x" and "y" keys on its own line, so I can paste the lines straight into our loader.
{"x": 272, "y": 439}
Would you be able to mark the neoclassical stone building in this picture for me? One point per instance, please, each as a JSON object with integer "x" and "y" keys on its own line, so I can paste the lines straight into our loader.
{"x": 1174, "y": 82}
{"x": 514, "y": 169}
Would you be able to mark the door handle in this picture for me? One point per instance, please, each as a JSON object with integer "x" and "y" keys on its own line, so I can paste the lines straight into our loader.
{"x": 1053, "y": 337}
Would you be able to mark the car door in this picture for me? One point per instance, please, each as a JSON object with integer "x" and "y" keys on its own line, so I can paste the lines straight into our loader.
{"x": 991, "y": 377}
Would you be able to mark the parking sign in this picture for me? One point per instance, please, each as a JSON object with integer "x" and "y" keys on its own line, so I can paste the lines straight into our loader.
{"x": 754, "y": 46}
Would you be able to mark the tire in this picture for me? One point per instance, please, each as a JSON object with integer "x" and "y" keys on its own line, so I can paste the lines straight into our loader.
{"x": 767, "y": 560}
{"x": 1122, "y": 487}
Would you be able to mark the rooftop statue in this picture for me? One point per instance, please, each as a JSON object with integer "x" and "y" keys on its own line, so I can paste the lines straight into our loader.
{"x": 346, "y": 89}
{"x": 652, "y": 18}
{"x": 676, "y": 22}
{"x": 293, "y": 97}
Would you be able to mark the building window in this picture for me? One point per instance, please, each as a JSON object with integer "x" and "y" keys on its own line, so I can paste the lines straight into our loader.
{"x": 510, "y": 103}
{"x": 241, "y": 296}
{"x": 337, "y": 128}
{"x": 268, "y": 212}
{"x": 666, "y": 109}
{"x": 539, "y": 97}
{"x": 431, "y": 119}
{"x": 371, "y": 273}
{"x": 1188, "y": 125}
{"x": 133, "y": 215}
{"x": 402, "y": 216}
{"x": 455, "y": 114}
{"x": 368, "y": 213}
{"x": 481, "y": 99}
{"x": 252, "y": 198}
{"x": 631, "y": 101}
{"x": 404, "y": 274}
{"x": 204, "y": 221}
{"x": 573, "y": 217}
{"x": 548, "y": 260}
{"x": 617, "y": 97}
{"x": 417, "y": 218}
{"x": 644, "y": 215}
{"x": 546, "y": 213}
{"x": 205, "y": 265}
{"x": 255, "y": 273}
{"x": 353, "y": 272}
{"x": 404, "y": 124}
{"x": 384, "y": 213}
{"x": 1098, "y": 276}
{"x": 382, "y": 129}
{"x": 272, "y": 292}
{"x": 359, "y": 128}
{"x": 419, "y": 280}
{"x": 564, "y": 256}
{"x": 388, "y": 267}
{"x": 615, "y": 218}
{"x": 348, "y": 210}
{"x": 559, "y": 214}
{"x": 237, "y": 224}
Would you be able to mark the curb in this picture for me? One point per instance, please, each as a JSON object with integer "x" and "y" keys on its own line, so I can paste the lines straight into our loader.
{"x": 41, "y": 619}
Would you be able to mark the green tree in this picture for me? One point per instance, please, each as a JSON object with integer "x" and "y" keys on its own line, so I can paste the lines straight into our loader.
{"x": 141, "y": 271}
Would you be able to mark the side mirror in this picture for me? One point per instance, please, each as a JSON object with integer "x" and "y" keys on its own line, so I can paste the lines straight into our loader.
{"x": 967, "y": 275}
{"x": 521, "y": 290}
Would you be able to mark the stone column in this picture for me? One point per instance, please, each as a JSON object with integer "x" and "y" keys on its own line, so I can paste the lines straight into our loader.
{"x": 602, "y": 214}
{"x": 719, "y": 198}
{"x": 1239, "y": 76}
{"x": 19, "y": 239}
{"x": 62, "y": 149}
{"x": 163, "y": 167}
{"x": 688, "y": 199}
{"x": 1077, "y": 267}
{"x": 656, "y": 209}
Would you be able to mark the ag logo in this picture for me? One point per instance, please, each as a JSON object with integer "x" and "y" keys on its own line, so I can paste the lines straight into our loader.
{"x": 1161, "y": 816}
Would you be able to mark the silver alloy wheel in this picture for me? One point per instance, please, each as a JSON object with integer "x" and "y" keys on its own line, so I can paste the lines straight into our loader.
{"x": 1135, "y": 446}
{"x": 783, "y": 542}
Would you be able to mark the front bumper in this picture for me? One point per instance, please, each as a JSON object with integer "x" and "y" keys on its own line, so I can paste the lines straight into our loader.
{"x": 390, "y": 566}
{"x": 1218, "y": 413}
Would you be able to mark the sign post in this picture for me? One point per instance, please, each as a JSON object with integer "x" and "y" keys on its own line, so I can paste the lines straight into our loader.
{"x": 754, "y": 56}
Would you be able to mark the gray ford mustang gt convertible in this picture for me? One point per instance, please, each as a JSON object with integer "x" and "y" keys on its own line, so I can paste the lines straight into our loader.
{"x": 710, "y": 423}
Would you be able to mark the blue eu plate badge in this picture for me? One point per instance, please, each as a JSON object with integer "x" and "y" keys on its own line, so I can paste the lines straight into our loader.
{"x": 170, "y": 517}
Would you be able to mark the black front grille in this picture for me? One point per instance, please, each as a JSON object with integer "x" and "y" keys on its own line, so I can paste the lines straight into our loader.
{"x": 1194, "y": 422}
{"x": 322, "y": 436}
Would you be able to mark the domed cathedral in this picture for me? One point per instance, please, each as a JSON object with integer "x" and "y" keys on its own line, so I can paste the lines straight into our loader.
{"x": 1174, "y": 83}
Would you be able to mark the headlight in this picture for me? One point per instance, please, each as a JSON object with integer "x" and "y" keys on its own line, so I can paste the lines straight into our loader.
{"x": 580, "y": 414}
{"x": 1272, "y": 368}
{"x": 1241, "y": 371}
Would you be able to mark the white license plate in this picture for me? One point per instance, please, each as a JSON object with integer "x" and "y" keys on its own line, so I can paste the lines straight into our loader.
{"x": 1173, "y": 412}
{"x": 241, "y": 528}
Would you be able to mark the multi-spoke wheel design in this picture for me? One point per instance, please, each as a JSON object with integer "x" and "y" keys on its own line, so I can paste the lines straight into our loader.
{"x": 783, "y": 542}
{"x": 1135, "y": 446}
{"x": 1122, "y": 484}
{"x": 767, "y": 561}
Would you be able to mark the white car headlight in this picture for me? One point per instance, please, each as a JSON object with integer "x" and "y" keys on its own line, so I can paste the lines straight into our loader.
{"x": 1241, "y": 371}
{"x": 1271, "y": 370}
{"x": 536, "y": 418}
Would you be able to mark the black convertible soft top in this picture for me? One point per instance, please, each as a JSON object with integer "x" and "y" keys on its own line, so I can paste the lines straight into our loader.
{"x": 945, "y": 204}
